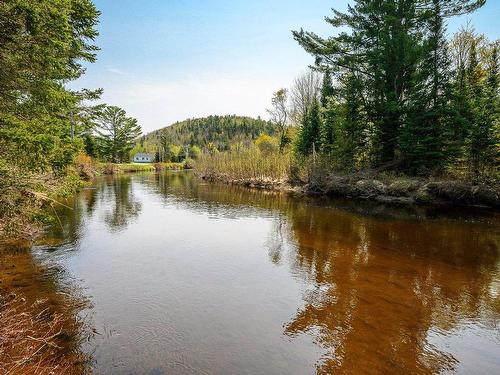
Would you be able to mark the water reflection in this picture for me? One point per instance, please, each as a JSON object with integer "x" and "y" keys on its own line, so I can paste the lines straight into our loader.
{"x": 380, "y": 289}
{"x": 377, "y": 289}
{"x": 122, "y": 205}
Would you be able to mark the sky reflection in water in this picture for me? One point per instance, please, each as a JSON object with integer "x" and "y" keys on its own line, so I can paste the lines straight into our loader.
{"x": 189, "y": 277}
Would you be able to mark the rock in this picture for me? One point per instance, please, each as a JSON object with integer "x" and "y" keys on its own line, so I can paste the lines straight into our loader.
{"x": 485, "y": 195}
{"x": 423, "y": 195}
{"x": 394, "y": 200}
{"x": 403, "y": 188}
{"x": 370, "y": 188}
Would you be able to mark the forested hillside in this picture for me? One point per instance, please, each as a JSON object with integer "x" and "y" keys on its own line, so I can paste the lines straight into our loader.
{"x": 207, "y": 133}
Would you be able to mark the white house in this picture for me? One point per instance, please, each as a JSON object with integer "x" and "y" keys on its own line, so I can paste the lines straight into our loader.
{"x": 143, "y": 158}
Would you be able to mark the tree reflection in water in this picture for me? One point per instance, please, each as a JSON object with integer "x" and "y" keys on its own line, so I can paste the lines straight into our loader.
{"x": 382, "y": 280}
{"x": 124, "y": 207}
{"x": 380, "y": 288}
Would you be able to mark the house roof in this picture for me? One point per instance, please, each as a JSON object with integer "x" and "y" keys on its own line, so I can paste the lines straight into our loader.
{"x": 143, "y": 155}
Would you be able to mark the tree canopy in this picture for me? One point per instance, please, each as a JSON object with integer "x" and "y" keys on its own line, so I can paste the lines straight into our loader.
{"x": 396, "y": 97}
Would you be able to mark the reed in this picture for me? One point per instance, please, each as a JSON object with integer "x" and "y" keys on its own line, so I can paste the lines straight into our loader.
{"x": 245, "y": 166}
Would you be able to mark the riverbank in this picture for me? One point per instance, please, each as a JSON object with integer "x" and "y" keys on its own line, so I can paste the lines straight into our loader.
{"x": 384, "y": 188}
{"x": 41, "y": 331}
{"x": 28, "y": 200}
{"x": 114, "y": 168}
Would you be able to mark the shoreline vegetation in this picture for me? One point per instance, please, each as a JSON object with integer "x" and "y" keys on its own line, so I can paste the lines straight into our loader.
{"x": 41, "y": 331}
{"x": 281, "y": 172}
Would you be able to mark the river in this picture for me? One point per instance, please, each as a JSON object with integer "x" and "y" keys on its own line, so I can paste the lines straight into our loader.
{"x": 189, "y": 277}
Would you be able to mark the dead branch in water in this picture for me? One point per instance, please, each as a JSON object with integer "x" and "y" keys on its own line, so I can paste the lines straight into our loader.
{"x": 36, "y": 342}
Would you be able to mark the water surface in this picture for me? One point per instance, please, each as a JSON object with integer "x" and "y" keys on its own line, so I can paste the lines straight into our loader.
{"x": 187, "y": 277}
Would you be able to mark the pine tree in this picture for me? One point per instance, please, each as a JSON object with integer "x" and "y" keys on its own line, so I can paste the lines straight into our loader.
{"x": 385, "y": 45}
{"x": 330, "y": 117}
{"x": 327, "y": 89}
{"x": 475, "y": 142}
{"x": 116, "y": 133}
{"x": 483, "y": 143}
{"x": 308, "y": 139}
{"x": 423, "y": 139}
{"x": 350, "y": 132}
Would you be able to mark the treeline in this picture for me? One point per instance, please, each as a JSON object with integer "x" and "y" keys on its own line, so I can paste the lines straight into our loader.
{"x": 46, "y": 128}
{"x": 187, "y": 139}
{"x": 397, "y": 94}
{"x": 42, "y": 45}
{"x": 43, "y": 124}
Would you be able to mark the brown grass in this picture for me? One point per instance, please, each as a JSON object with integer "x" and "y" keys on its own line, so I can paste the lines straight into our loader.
{"x": 36, "y": 340}
{"x": 245, "y": 166}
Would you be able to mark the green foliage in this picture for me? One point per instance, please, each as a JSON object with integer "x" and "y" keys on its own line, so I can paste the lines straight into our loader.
{"x": 483, "y": 140}
{"x": 116, "y": 133}
{"x": 267, "y": 144}
{"x": 174, "y": 152}
{"x": 194, "y": 152}
{"x": 308, "y": 139}
{"x": 396, "y": 100}
{"x": 327, "y": 89}
{"x": 42, "y": 44}
{"x": 429, "y": 115}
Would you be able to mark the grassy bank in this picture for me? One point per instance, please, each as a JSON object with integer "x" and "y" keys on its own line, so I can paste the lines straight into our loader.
{"x": 112, "y": 168}
{"x": 248, "y": 166}
{"x": 27, "y": 200}
{"x": 252, "y": 168}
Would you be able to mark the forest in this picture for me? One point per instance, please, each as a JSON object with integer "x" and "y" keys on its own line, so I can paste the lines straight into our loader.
{"x": 397, "y": 92}
{"x": 389, "y": 93}
{"x": 210, "y": 134}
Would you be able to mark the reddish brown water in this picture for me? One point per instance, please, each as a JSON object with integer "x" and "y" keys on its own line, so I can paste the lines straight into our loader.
{"x": 188, "y": 277}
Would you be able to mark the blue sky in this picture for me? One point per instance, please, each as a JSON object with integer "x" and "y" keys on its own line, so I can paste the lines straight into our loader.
{"x": 168, "y": 60}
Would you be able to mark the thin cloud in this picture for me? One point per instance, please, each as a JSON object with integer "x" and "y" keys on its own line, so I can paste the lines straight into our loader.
{"x": 117, "y": 71}
{"x": 159, "y": 104}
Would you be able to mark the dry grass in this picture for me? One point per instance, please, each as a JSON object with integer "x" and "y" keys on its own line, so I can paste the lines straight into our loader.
{"x": 35, "y": 340}
{"x": 245, "y": 166}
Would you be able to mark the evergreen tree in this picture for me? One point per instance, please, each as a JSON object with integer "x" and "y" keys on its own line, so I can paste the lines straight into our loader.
{"x": 328, "y": 129}
{"x": 309, "y": 133}
{"x": 116, "y": 133}
{"x": 327, "y": 89}
{"x": 385, "y": 46}
{"x": 483, "y": 142}
{"x": 351, "y": 131}
{"x": 43, "y": 45}
{"x": 423, "y": 139}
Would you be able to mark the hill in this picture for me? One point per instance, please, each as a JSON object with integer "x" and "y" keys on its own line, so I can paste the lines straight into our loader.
{"x": 208, "y": 132}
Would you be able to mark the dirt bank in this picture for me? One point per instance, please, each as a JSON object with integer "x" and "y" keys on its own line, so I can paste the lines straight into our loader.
{"x": 396, "y": 190}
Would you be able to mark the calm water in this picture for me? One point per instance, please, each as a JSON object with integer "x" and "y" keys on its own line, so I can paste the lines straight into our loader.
{"x": 187, "y": 277}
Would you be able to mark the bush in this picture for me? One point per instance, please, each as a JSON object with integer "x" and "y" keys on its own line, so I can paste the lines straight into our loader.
{"x": 267, "y": 144}
{"x": 188, "y": 164}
